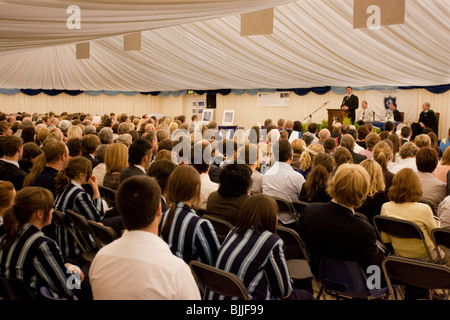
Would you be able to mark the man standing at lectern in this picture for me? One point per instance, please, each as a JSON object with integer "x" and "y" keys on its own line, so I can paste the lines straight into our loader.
{"x": 350, "y": 103}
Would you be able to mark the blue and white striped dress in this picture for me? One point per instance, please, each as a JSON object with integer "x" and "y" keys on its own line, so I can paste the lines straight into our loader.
{"x": 191, "y": 237}
{"x": 36, "y": 260}
{"x": 258, "y": 259}
{"x": 75, "y": 198}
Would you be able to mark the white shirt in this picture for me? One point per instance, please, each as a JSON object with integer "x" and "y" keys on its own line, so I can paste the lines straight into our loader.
{"x": 207, "y": 187}
{"x": 140, "y": 266}
{"x": 99, "y": 172}
{"x": 366, "y": 115}
{"x": 282, "y": 181}
{"x": 403, "y": 163}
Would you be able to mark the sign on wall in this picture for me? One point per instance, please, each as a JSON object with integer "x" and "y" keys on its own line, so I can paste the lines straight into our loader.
{"x": 373, "y": 14}
{"x": 273, "y": 99}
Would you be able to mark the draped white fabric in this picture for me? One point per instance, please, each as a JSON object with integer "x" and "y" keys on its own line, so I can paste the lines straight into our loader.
{"x": 197, "y": 45}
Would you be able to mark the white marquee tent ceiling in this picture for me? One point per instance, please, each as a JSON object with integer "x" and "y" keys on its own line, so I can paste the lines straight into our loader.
{"x": 197, "y": 45}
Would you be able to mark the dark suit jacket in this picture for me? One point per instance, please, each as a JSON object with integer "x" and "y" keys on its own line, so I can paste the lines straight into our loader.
{"x": 397, "y": 115}
{"x": 130, "y": 171}
{"x": 333, "y": 231}
{"x": 357, "y": 158}
{"x": 352, "y": 103}
{"x": 94, "y": 161}
{"x": 46, "y": 179}
{"x": 10, "y": 172}
{"x": 429, "y": 120}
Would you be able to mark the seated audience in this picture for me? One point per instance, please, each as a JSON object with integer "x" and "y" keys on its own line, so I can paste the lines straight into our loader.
{"x": 347, "y": 141}
{"x": 377, "y": 193}
{"x": 100, "y": 170}
{"x": 332, "y": 230}
{"x": 341, "y": 156}
{"x": 89, "y": 146}
{"x": 404, "y": 195}
{"x": 407, "y": 159}
{"x": 31, "y": 152}
{"x": 188, "y": 236}
{"x": 116, "y": 160}
{"x": 161, "y": 170}
{"x": 444, "y": 166}
{"x": 250, "y": 155}
{"x": 382, "y": 153}
{"x": 139, "y": 158}
{"x": 9, "y": 165}
{"x": 254, "y": 252}
{"x": 7, "y": 194}
{"x": 315, "y": 187}
{"x": 282, "y": 181}
{"x": 307, "y": 158}
{"x": 201, "y": 161}
{"x": 234, "y": 184}
{"x": 149, "y": 271}
{"x": 370, "y": 141}
{"x": 28, "y": 255}
{"x": 433, "y": 189}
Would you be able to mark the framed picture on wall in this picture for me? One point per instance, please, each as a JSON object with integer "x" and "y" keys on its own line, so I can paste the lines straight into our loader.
{"x": 228, "y": 118}
{"x": 207, "y": 115}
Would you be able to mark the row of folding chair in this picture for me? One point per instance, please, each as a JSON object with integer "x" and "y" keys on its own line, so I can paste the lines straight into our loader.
{"x": 89, "y": 235}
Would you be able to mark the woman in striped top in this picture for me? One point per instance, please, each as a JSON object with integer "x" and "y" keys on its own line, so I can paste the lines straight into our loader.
{"x": 25, "y": 252}
{"x": 254, "y": 252}
{"x": 188, "y": 236}
{"x": 71, "y": 195}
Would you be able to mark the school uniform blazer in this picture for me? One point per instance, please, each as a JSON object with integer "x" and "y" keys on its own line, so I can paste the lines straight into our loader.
{"x": 333, "y": 231}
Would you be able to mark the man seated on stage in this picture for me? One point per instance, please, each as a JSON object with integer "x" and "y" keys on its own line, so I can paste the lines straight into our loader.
{"x": 427, "y": 118}
{"x": 350, "y": 103}
{"x": 395, "y": 112}
{"x": 366, "y": 113}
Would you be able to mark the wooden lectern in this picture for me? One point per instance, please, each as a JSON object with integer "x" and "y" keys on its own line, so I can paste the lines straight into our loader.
{"x": 333, "y": 114}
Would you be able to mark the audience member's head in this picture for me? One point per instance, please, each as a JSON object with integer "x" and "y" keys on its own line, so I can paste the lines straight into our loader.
{"x": 408, "y": 150}
{"x": 138, "y": 200}
{"x": 427, "y": 159}
{"x": 74, "y": 146}
{"x": 234, "y": 180}
{"x": 139, "y": 152}
{"x": 260, "y": 213}
{"x": 350, "y": 185}
{"x": 348, "y": 142}
{"x": 282, "y": 150}
{"x": 375, "y": 172}
{"x": 116, "y": 158}
{"x": 161, "y": 171}
{"x": 341, "y": 156}
{"x": 406, "y": 187}
{"x": 7, "y": 194}
{"x": 298, "y": 146}
{"x": 446, "y": 157}
{"x": 89, "y": 144}
{"x": 371, "y": 140}
{"x": 330, "y": 145}
{"x": 106, "y": 135}
{"x": 382, "y": 153}
{"x": 422, "y": 140}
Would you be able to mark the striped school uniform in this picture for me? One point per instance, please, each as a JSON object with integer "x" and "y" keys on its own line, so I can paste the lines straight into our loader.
{"x": 191, "y": 237}
{"x": 36, "y": 260}
{"x": 75, "y": 198}
{"x": 258, "y": 259}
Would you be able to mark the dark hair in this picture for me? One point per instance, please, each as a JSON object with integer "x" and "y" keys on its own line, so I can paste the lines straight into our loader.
{"x": 234, "y": 180}
{"x": 298, "y": 126}
{"x": 165, "y": 144}
{"x": 260, "y": 213}
{"x": 427, "y": 159}
{"x": 137, "y": 200}
{"x": 197, "y": 157}
{"x": 161, "y": 171}
{"x": 329, "y": 144}
{"x": 138, "y": 149}
{"x": 282, "y": 150}
{"x": 312, "y": 127}
{"x": 27, "y": 201}
{"x": 184, "y": 184}
{"x": 11, "y": 145}
{"x": 75, "y": 166}
{"x": 28, "y": 134}
{"x": 74, "y": 146}
{"x": 405, "y": 132}
{"x": 89, "y": 143}
{"x": 389, "y": 126}
{"x": 31, "y": 150}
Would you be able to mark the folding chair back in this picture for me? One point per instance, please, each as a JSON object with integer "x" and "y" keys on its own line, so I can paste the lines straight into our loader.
{"x": 401, "y": 229}
{"x": 103, "y": 234}
{"x": 345, "y": 279}
{"x": 441, "y": 237}
{"x": 221, "y": 226}
{"x": 108, "y": 194}
{"x": 415, "y": 273}
{"x": 219, "y": 281}
{"x": 286, "y": 207}
{"x": 87, "y": 235}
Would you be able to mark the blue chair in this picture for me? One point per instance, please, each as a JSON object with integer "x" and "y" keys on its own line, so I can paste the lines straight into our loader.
{"x": 345, "y": 280}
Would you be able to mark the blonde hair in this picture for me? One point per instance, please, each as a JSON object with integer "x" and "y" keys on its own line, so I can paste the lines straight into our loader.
{"x": 375, "y": 172}
{"x": 408, "y": 150}
{"x": 116, "y": 158}
{"x": 382, "y": 153}
{"x": 350, "y": 185}
{"x": 308, "y": 156}
{"x": 298, "y": 146}
{"x": 422, "y": 140}
{"x": 74, "y": 132}
{"x": 406, "y": 187}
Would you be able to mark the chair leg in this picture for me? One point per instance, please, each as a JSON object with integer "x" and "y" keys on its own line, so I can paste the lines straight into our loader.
{"x": 319, "y": 294}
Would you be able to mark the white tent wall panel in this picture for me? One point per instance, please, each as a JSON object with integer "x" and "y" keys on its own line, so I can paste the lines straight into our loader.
{"x": 247, "y": 113}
